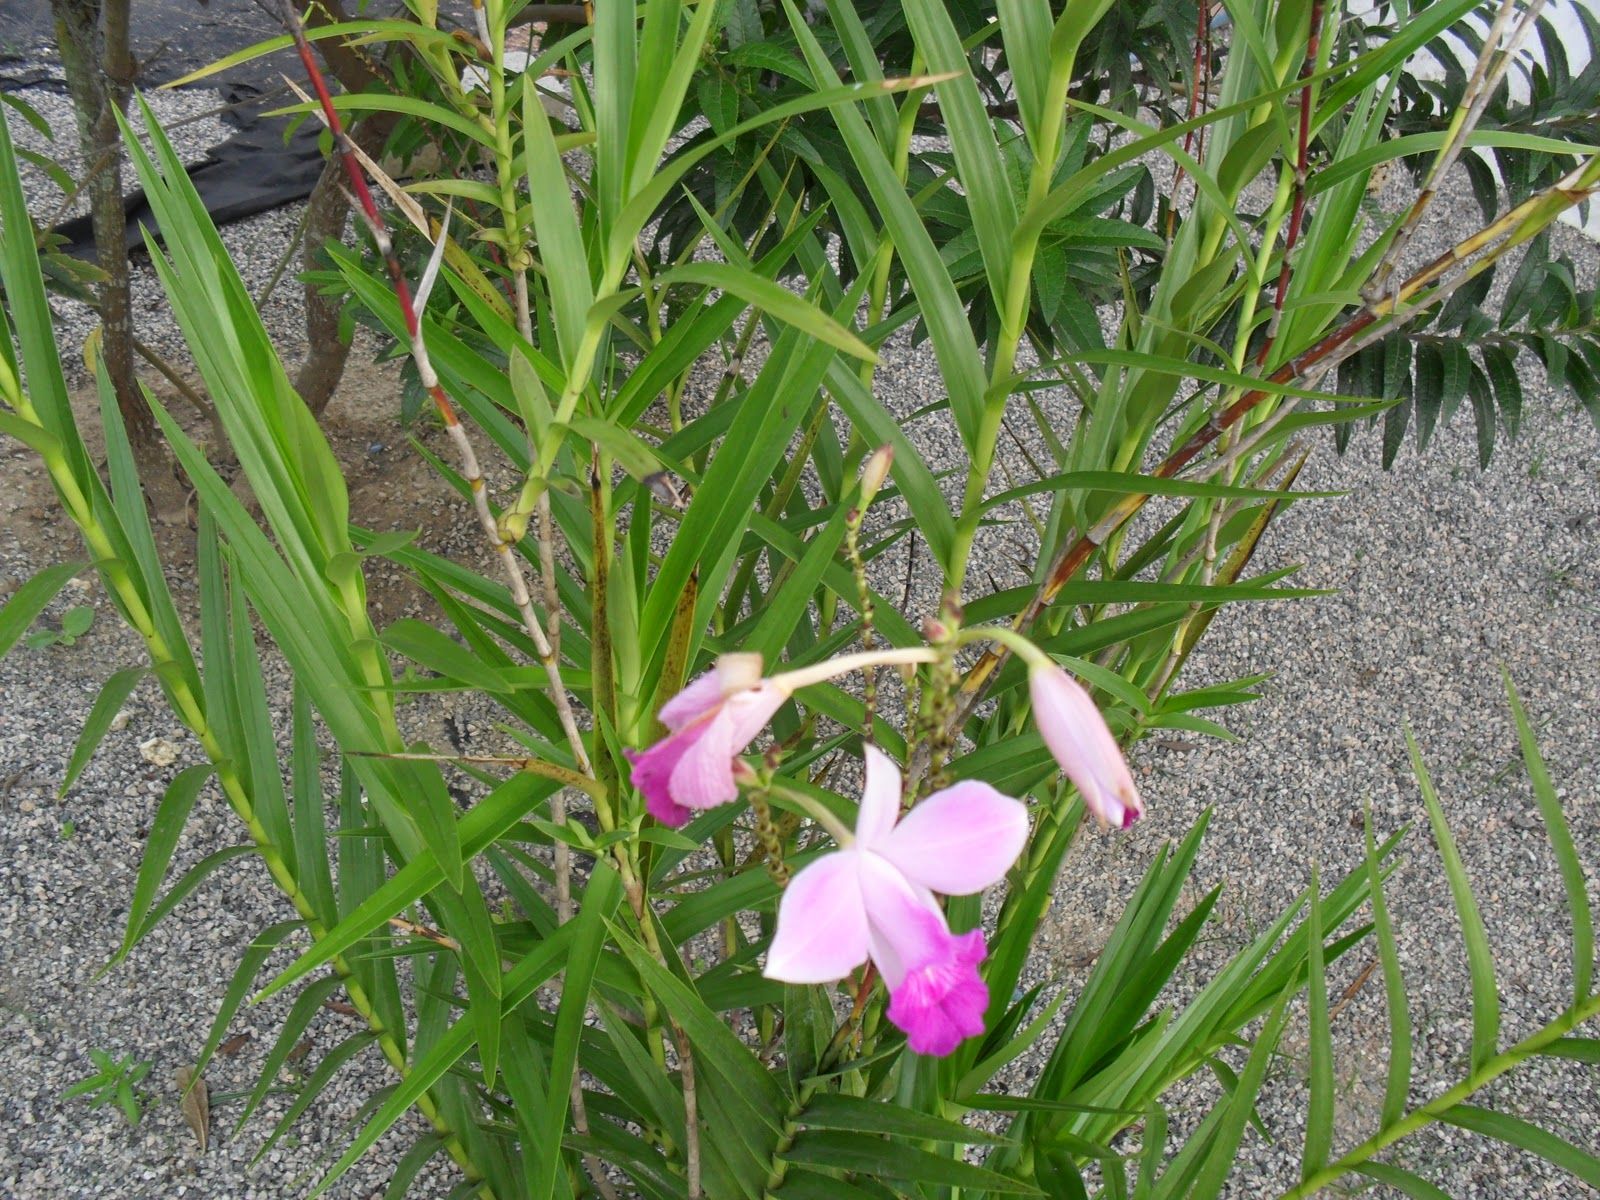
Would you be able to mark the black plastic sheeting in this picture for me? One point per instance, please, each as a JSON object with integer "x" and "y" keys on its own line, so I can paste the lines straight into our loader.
{"x": 251, "y": 172}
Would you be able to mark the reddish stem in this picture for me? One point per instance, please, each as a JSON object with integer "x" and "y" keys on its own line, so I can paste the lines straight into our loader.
{"x": 363, "y": 194}
{"x": 1301, "y": 165}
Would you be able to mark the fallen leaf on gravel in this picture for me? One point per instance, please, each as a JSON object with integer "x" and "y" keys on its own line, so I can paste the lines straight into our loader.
{"x": 301, "y": 1049}
{"x": 234, "y": 1044}
{"x": 196, "y": 1104}
{"x": 158, "y": 752}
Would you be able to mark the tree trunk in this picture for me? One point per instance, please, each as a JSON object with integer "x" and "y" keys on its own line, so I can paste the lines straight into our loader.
{"x": 327, "y": 211}
{"x": 93, "y": 36}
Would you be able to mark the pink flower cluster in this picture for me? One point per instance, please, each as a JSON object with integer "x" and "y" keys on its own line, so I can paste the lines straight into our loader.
{"x": 875, "y": 897}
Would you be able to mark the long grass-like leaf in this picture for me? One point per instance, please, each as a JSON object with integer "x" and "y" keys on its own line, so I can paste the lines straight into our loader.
{"x": 1397, "y": 1088}
{"x": 1319, "y": 1111}
{"x": 1480, "y": 961}
{"x": 1572, "y": 877}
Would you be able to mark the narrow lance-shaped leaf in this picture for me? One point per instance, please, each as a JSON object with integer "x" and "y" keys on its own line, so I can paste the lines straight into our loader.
{"x": 1397, "y": 1089}
{"x": 1572, "y": 876}
{"x": 106, "y": 706}
{"x": 1319, "y": 1109}
{"x": 1480, "y": 963}
{"x": 29, "y": 600}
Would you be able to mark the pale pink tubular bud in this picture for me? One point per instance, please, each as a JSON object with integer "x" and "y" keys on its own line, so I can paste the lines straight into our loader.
{"x": 874, "y": 472}
{"x": 1082, "y": 743}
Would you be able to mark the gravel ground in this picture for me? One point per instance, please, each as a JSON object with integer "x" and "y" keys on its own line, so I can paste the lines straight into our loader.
{"x": 1443, "y": 574}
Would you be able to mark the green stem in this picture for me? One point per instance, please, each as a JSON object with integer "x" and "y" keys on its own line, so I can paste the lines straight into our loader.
{"x": 1013, "y": 320}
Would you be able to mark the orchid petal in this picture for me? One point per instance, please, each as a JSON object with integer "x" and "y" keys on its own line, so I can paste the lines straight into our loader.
{"x": 703, "y": 776}
{"x": 906, "y": 926}
{"x": 822, "y": 924}
{"x": 880, "y": 799}
{"x": 697, "y": 699}
{"x": 651, "y": 772}
{"x": 748, "y": 712}
{"x": 958, "y": 841}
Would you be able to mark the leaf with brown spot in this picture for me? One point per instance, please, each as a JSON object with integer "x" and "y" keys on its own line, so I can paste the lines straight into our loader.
{"x": 195, "y": 1101}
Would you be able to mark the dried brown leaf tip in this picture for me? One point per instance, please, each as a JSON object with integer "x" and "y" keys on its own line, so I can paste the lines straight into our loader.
{"x": 195, "y": 1101}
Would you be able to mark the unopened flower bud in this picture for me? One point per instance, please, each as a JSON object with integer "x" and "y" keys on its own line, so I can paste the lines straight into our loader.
{"x": 1082, "y": 743}
{"x": 874, "y": 472}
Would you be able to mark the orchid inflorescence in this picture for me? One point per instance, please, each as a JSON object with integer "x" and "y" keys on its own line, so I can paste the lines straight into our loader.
{"x": 875, "y": 897}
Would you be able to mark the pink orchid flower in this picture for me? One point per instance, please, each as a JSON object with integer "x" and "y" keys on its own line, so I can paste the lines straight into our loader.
{"x": 874, "y": 898}
{"x": 709, "y": 723}
{"x": 1081, "y": 741}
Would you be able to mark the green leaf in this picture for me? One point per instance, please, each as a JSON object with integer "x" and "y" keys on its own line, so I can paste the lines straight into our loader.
{"x": 555, "y": 222}
{"x": 1397, "y": 1089}
{"x": 1524, "y": 1136}
{"x": 187, "y": 882}
{"x": 106, "y": 706}
{"x": 257, "y": 952}
{"x": 1411, "y": 1185}
{"x": 172, "y": 814}
{"x": 1219, "y": 1160}
{"x": 832, "y": 1110}
{"x": 1572, "y": 876}
{"x": 876, "y": 1158}
{"x": 772, "y": 298}
{"x": 76, "y": 620}
{"x": 428, "y": 647}
{"x": 312, "y": 1088}
{"x": 1319, "y": 1109}
{"x": 481, "y": 826}
{"x": 306, "y": 1006}
{"x": 600, "y": 900}
{"x": 535, "y": 969}
{"x": 960, "y": 362}
{"x": 1480, "y": 962}
{"x": 972, "y": 139}
{"x": 29, "y": 600}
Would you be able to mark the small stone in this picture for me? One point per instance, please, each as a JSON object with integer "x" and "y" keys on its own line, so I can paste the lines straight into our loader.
{"x": 120, "y": 721}
{"x": 27, "y": 806}
{"x": 158, "y": 752}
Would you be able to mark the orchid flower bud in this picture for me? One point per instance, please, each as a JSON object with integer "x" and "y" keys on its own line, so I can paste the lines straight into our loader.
{"x": 1082, "y": 743}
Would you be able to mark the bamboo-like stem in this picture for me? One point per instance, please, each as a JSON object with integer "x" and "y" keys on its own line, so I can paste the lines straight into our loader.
{"x": 473, "y": 475}
{"x": 1378, "y": 316}
{"x": 1434, "y": 1110}
{"x": 189, "y": 708}
{"x": 1013, "y": 307}
{"x": 368, "y": 210}
{"x": 1487, "y": 72}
